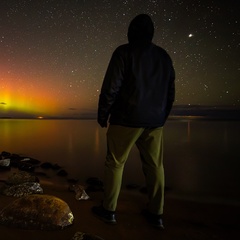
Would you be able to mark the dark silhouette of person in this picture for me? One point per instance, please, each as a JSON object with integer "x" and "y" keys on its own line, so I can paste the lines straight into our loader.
{"x": 136, "y": 97}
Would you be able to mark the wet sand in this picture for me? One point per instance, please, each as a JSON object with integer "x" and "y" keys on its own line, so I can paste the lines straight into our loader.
{"x": 183, "y": 219}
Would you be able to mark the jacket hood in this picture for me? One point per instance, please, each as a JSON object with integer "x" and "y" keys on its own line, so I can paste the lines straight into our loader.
{"x": 141, "y": 30}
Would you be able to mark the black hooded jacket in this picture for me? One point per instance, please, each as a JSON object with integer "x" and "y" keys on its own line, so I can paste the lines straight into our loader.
{"x": 138, "y": 88}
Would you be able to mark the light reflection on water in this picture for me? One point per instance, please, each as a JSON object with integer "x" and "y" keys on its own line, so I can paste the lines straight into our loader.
{"x": 201, "y": 157}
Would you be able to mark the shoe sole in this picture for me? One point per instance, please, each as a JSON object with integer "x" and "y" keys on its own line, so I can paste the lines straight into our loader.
{"x": 112, "y": 222}
{"x": 105, "y": 220}
{"x": 150, "y": 222}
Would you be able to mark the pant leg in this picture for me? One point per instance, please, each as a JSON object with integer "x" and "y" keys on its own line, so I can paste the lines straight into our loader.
{"x": 150, "y": 146}
{"x": 120, "y": 141}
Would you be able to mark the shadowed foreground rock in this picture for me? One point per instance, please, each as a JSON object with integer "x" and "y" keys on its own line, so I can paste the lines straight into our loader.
{"x": 43, "y": 212}
{"x": 85, "y": 236}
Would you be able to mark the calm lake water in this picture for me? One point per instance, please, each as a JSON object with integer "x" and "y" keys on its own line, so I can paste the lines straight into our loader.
{"x": 202, "y": 158}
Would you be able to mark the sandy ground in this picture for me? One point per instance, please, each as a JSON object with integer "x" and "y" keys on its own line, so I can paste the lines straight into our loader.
{"x": 183, "y": 219}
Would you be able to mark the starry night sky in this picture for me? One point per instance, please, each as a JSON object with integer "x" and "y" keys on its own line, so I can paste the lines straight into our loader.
{"x": 54, "y": 53}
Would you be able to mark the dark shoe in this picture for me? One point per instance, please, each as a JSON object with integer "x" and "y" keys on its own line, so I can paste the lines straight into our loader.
{"x": 153, "y": 219}
{"x": 104, "y": 215}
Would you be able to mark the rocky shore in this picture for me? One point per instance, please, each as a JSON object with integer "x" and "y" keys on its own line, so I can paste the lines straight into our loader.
{"x": 183, "y": 219}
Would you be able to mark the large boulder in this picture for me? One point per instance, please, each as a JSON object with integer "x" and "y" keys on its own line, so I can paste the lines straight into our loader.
{"x": 43, "y": 212}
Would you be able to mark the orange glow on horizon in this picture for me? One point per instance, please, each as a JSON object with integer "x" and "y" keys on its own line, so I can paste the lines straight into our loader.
{"x": 23, "y": 97}
{"x": 43, "y": 95}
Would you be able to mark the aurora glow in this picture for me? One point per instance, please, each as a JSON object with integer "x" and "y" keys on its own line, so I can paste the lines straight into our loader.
{"x": 54, "y": 54}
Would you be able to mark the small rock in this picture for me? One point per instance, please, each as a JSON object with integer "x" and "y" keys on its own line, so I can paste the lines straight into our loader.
{"x": 46, "y": 165}
{"x": 5, "y": 162}
{"x": 62, "y": 173}
{"x": 21, "y": 177}
{"x": 5, "y": 154}
{"x": 24, "y": 166}
{"x": 80, "y": 192}
{"x": 30, "y": 160}
{"x": 23, "y": 189}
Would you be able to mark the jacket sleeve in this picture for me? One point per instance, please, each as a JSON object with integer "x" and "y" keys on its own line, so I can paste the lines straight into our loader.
{"x": 111, "y": 85}
{"x": 171, "y": 91}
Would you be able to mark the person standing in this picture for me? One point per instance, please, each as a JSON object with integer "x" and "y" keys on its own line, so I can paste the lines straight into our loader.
{"x": 136, "y": 98}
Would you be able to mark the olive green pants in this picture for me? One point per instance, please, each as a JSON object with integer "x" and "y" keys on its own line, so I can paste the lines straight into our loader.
{"x": 149, "y": 142}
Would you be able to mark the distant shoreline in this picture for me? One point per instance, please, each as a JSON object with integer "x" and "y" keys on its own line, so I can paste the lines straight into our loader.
{"x": 192, "y": 112}
{"x": 203, "y": 118}
{"x": 171, "y": 117}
